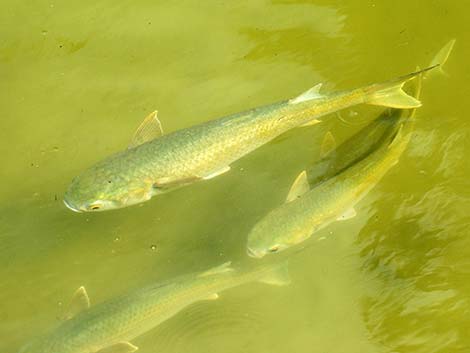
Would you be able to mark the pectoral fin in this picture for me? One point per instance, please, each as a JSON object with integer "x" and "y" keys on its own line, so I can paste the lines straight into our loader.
{"x": 299, "y": 187}
{"x": 121, "y": 347}
{"x": 348, "y": 214}
{"x": 167, "y": 183}
{"x": 80, "y": 302}
{"x": 216, "y": 173}
{"x": 150, "y": 129}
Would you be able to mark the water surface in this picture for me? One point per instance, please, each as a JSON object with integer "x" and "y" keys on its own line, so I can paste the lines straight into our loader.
{"x": 77, "y": 79}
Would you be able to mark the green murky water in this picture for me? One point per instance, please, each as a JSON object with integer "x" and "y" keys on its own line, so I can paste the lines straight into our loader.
{"x": 77, "y": 79}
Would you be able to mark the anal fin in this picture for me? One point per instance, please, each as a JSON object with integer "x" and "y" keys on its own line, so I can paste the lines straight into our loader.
{"x": 121, "y": 347}
{"x": 217, "y": 172}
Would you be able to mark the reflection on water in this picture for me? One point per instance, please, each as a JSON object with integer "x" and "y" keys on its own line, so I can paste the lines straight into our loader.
{"x": 289, "y": 31}
{"x": 416, "y": 256}
{"x": 77, "y": 79}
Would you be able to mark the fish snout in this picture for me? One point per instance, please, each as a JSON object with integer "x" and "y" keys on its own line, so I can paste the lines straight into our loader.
{"x": 71, "y": 207}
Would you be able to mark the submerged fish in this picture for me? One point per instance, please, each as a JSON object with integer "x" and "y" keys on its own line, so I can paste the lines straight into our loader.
{"x": 336, "y": 159}
{"x": 308, "y": 210}
{"x": 156, "y": 163}
{"x": 108, "y": 327}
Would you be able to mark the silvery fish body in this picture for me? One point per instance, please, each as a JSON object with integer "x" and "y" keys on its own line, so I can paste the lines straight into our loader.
{"x": 334, "y": 199}
{"x": 111, "y": 325}
{"x": 156, "y": 164}
{"x": 356, "y": 147}
{"x": 337, "y": 185}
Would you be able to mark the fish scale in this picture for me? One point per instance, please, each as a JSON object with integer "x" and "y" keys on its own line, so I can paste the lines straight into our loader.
{"x": 296, "y": 220}
{"x": 123, "y": 318}
{"x": 204, "y": 151}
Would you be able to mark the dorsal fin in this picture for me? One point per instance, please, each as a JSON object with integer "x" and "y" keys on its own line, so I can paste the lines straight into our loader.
{"x": 299, "y": 187}
{"x": 80, "y": 302}
{"x": 150, "y": 129}
{"x": 328, "y": 145}
{"x": 312, "y": 93}
{"x": 225, "y": 267}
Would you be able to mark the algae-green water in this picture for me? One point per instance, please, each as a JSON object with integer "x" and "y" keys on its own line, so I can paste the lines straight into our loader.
{"x": 77, "y": 78}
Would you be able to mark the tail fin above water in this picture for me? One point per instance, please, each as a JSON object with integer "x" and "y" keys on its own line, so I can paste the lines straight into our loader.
{"x": 441, "y": 57}
{"x": 391, "y": 94}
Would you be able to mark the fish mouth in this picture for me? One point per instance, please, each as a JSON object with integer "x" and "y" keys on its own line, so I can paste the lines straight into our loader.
{"x": 70, "y": 207}
{"x": 253, "y": 253}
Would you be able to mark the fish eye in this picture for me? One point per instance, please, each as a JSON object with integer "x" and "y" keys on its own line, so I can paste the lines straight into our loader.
{"x": 274, "y": 248}
{"x": 95, "y": 207}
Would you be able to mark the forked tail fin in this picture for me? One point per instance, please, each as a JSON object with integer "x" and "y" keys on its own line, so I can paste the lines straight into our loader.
{"x": 441, "y": 57}
{"x": 391, "y": 94}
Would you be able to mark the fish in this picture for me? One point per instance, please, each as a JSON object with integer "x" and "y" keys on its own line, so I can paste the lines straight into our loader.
{"x": 309, "y": 209}
{"x": 335, "y": 159}
{"x": 441, "y": 57}
{"x": 155, "y": 163}
{"x": 108, "y": 327}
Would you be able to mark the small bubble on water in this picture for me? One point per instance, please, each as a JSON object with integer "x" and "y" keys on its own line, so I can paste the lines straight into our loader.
{"x": 44, "y": 32}
{"x": 117, "y": 239}
{"x": 353, "y": 113}
{"x": 153, "y": 247}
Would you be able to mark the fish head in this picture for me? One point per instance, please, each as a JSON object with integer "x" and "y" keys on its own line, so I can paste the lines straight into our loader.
{"x": 97, "y": 189}
{"x": 269, "y": 237}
